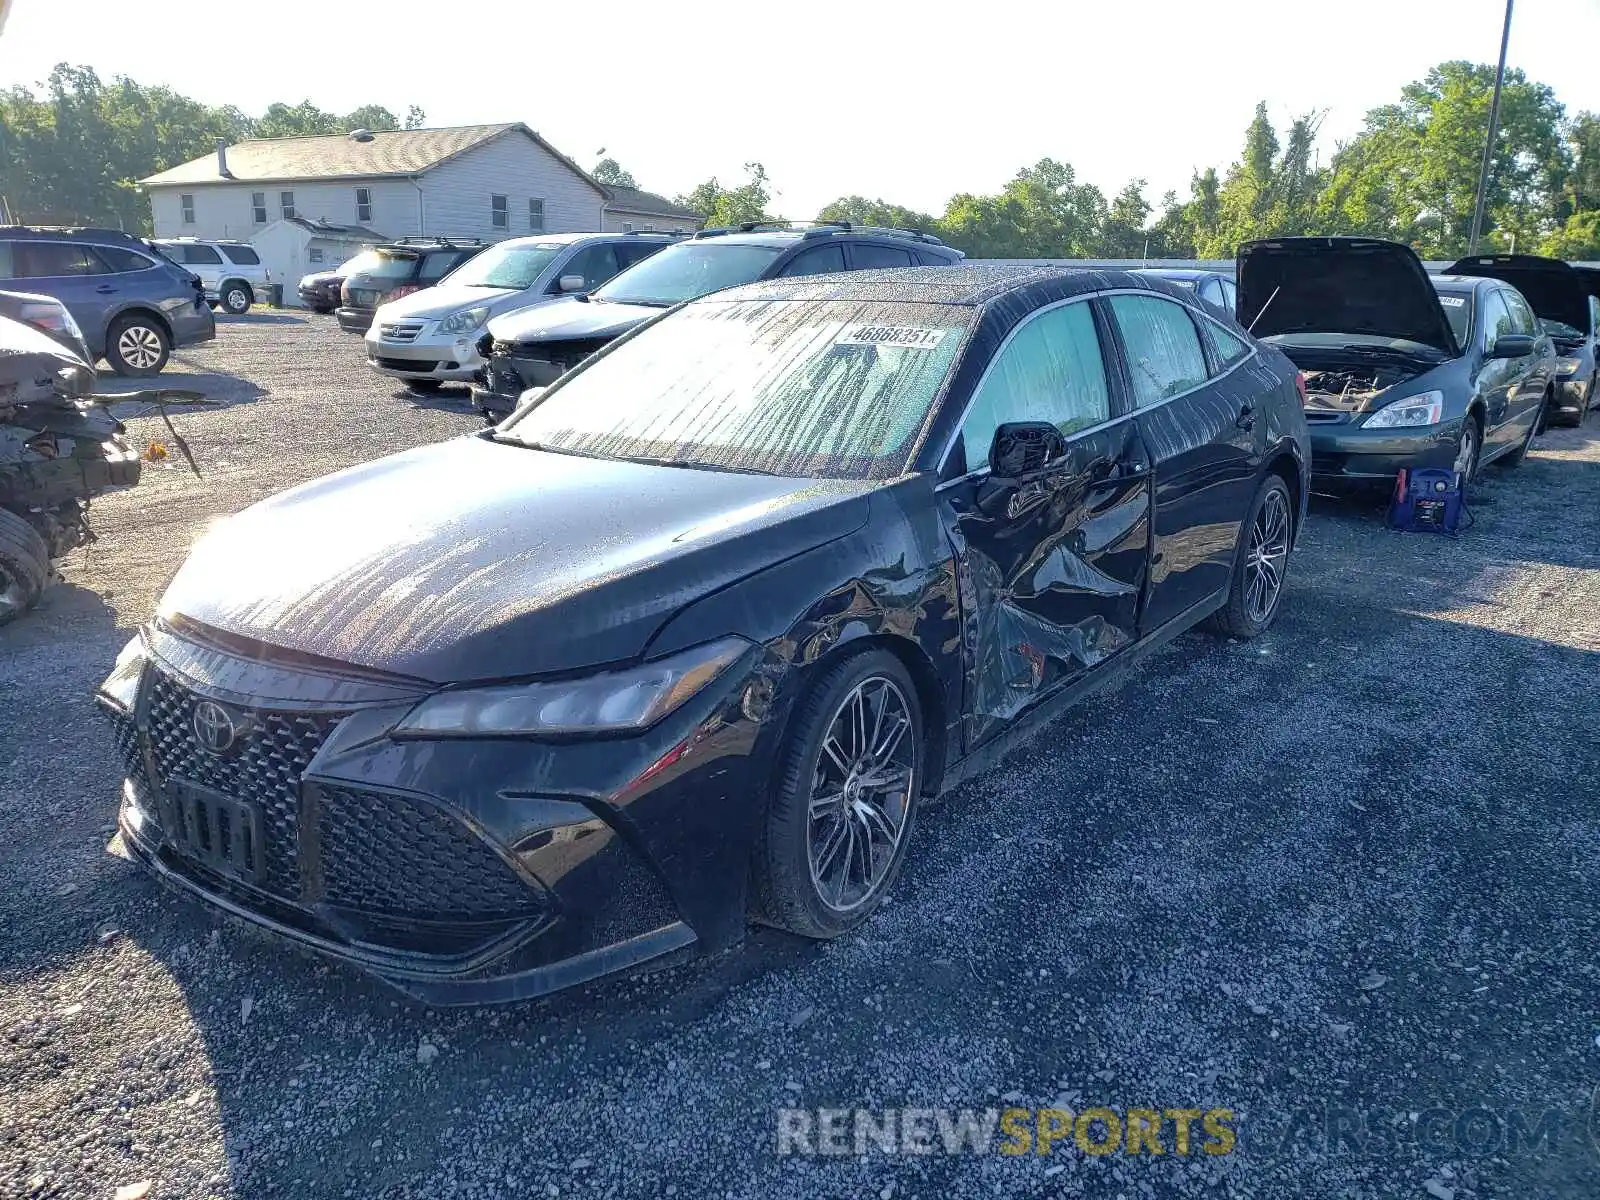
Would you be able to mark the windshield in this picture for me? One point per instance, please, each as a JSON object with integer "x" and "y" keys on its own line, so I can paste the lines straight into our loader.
{"x": 513, "y": 266}
{"x": 686, "y": 271}
{"x": 381, "y": 264}
{"x": 1560, "y": 329}
{"x": 834, "y": 389}
{"x": 1458, "y": 307}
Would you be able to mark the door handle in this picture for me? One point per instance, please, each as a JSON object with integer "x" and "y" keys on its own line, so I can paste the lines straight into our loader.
{"x": 105, "y": 289}
{"x": 1247, "y": 419}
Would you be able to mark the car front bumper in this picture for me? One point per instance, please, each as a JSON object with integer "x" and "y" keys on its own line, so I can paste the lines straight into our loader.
{"x": 1572, "y": 398}
{"x": 506, "y": 378}
{"x": 354, "y": 320}
{"x": 427, "y": 354}
{"x": 1352, "y": 454}
{"x": 456, "y": 870}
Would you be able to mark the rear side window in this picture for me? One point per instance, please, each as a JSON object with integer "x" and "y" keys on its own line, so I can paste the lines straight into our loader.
{"x": 1050, "y": 370}
{"x": 244, "y": 256}
{"x": 200, "y": 256}
{"x": 866, "y": 256}
{"x": 1230, "y": 346}
{"x": 43, "y": 260}
{"x": 1164, "y": 355}
{"x": 819, "y": 261}
{"x": 119, "y": 259}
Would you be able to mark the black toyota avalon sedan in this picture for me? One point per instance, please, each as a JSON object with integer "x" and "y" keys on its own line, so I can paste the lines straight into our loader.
{"x": 685, "y": 642}
{"x": 1401, "y": 370}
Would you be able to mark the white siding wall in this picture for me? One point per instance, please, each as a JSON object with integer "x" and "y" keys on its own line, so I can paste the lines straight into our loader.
{"x": 515, "y": 166}
{"x": 617, "y": 222}
{"x": 223, "y": 210}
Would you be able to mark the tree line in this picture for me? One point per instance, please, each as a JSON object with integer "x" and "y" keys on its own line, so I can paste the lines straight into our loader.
{"x": 75, "y": 153}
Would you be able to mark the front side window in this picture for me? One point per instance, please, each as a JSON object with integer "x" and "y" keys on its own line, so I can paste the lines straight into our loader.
{"x": 244, "y": 256}
{"x": 1495, "y": 318}
{"x": 363, "y": 204}
{"x": 595, "y": 263}
{"x": 1522, "y": 318}
{"x": 688, "y": 270}
{"x": 186, "y": 202}
{"x": 286, "y": 204}
{"x": 1051, "y": 369}
{"x": 535, "y": 216}
{"x": 258, "y": 207}
{"x": 498, "y": 212}
{"x": 1164, "y": 355}
{"x": 836, "y": 389}
{"x": 513, "y": 265}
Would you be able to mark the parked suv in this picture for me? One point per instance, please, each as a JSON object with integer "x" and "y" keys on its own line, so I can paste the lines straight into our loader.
{"x": 230, "y": 272}
{"x": 386, "y": 273}
{"x": 431, "y": 336}
{"x": 533, "y": 349}
{"x": 132, "y": 304}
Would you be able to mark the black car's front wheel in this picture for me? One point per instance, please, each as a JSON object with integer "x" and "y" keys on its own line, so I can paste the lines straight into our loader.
{"x": 1260, "y": 564}
{"x": 845, "y": 798}
{"x": 1469, "y": 448}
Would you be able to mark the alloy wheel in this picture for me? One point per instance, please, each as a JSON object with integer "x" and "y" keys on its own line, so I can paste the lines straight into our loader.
{"x": 865, "y": 776}
{"x": 1267, "y": 556}
{"x": 140, "y": 347}
{"x": 237, "y": 301}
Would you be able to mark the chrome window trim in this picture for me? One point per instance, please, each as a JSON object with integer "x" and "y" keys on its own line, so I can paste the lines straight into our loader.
{"x": 944, "y": 456}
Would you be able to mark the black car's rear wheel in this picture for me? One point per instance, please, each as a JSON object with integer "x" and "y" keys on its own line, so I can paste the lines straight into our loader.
{"x": 845, "y": 798}
{"x": 24, "y": 566}
{"x": 1260, "y": 565}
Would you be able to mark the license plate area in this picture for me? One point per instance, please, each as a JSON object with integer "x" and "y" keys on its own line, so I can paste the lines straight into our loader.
{"x": 216, "y": 831}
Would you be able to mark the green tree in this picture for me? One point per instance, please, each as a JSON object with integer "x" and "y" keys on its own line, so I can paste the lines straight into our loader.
{"x": 1123, "y": 233}
{"x": 609, "y": 172}
{"x": 858, "y": 210}
{"x": 415, "y": 118}
{"x": 1043, "y": 212}
{"x": 732, "y": 206}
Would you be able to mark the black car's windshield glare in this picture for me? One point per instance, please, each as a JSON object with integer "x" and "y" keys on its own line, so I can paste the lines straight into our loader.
{"x": 506, "y": 266}
{"x": 687, "y": 271}
{"x": 834, "y": 389}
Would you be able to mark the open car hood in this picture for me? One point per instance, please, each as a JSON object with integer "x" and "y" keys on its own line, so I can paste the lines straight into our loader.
{"x": 1555, "y": 289}
{"x": 1340, "y": 285}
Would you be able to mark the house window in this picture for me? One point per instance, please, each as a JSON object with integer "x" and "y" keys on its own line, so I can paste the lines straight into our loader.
{"x": 627, "y": 227}
{"x": 314, "y": 254}
{"x": 499, "y": 213}
{"x": 535, "y": 216}
{"x": 258, "y": 207}
{"x": 286, "y": 204}
{"x": 188, "y": 208}
{"x": 363, "y": 204}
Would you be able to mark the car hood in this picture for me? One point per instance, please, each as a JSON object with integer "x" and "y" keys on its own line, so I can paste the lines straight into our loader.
{"x": 473, "y": 560}
{"x": 442, "y": 301}
{"x": 1340, "y": 285}
{"x": 1554, "y": 289}
{"x": 570, "y": 318}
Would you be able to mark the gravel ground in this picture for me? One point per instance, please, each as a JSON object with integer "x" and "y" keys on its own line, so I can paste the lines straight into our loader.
{"x": 1339, "y": 880}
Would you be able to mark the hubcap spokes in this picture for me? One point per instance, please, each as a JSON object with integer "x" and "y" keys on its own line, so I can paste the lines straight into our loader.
{"x": 860, "y": 794}
{"x": 1266, "y": 558}
{"x": 139, "y": 347}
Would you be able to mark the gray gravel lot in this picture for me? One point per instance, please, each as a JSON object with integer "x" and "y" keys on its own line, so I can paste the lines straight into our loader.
{"x": 1345, "y": 873}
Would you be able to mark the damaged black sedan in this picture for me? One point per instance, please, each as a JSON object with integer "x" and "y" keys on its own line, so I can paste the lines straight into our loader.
{"x": 685, "y": 643}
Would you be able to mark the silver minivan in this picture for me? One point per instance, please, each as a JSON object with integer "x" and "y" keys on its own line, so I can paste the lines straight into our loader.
{"x": 431, "y": 337}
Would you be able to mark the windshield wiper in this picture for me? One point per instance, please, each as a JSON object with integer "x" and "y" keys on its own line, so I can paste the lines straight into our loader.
{"x": 695, "y": 466}
{"x": 630, "y": 300}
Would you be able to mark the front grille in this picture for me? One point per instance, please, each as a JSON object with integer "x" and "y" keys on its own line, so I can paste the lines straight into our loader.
{"x": 407, "y": 364}
{"x": 400, "y": 332}
{"x": 390, "y": 855}
{"x": 263, "y": 770}
{"x": 1323, "y": 416}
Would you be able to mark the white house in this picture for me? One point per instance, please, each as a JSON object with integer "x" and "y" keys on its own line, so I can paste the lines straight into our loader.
{"x": 297, "y": 246}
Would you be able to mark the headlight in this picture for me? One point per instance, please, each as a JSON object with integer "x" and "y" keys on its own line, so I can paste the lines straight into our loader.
{"x": 465, "y": 321}
{"x": 632, "y": 699}
{"x": 122, "y": 685}
{"x": 1426, "y": 408}
{"x": 1568, "y": 366}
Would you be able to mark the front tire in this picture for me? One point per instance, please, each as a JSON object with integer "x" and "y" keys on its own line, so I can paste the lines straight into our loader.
{"x": 137, "y": 345}
{"x": 24, "y": 566}
{"x": 1260, "y": 565}
{"x": 845, "y": 800}
{"x": 236, "y": 298}
{"x": 1469, "y": 450}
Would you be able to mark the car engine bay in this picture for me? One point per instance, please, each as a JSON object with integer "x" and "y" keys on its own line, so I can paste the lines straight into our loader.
{"x": 1349, "y": 390}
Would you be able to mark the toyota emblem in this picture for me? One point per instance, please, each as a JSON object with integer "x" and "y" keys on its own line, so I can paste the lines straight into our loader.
{"x": 214, "y": 727}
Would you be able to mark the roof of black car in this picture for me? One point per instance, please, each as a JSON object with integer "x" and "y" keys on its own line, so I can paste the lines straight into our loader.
{"x": 971, "y": 284}
{"x": 1463, "y": 281}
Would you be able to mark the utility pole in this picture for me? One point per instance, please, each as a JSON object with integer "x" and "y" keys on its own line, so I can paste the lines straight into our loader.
{"x": 1488, "y": 145}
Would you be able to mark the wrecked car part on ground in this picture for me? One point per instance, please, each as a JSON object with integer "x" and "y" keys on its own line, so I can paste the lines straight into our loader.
{"x": 687, "y": 643}
{"x": 59, "y": 448}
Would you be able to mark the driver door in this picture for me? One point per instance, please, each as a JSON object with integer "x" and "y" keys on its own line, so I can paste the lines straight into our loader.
{"x": 1051, "y": 568}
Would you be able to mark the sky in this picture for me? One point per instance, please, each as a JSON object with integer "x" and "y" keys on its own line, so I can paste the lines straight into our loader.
{"x": 906, "y": 102}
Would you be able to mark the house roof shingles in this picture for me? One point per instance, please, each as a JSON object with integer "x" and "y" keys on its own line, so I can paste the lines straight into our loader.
{"x": 636, "y": 200}
{"x": 339, "y": 156}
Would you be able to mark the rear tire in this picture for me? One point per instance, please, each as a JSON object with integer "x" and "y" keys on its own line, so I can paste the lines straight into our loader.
{"x": 236, "y": 298}
{"x": 24, "y": 566}
{"x": 137, "y": 344}
{"x": 1260, "y": 565}
{"x": 845, "y": 800}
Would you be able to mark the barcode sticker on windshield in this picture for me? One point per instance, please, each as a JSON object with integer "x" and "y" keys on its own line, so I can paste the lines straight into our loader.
{"x": 913, "y": 336}
{"x": 1453, "y": 301}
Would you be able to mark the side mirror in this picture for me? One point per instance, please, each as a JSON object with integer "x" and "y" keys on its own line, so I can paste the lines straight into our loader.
{"x": 1021, "y": 448}
{"x": 571, "y": 283}
{"x": 1512, "y": 345}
